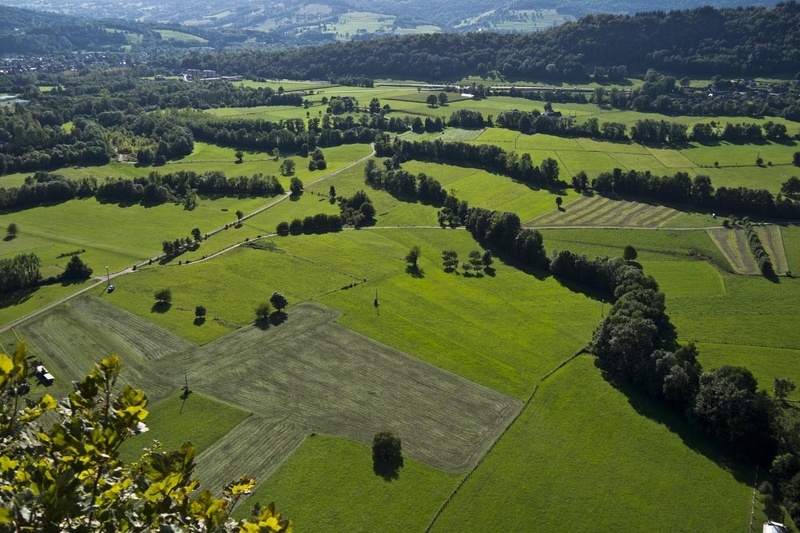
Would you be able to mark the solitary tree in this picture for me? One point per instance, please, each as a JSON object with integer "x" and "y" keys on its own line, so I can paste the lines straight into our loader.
{"x": 239, "y": 156}
{"x": 287, "y": 167}
{"x": 76, "y": 269}
{"x": 442, "y": 98}
{"x": 200, "y": 311}
{"x": 276, "y": 153}
{"x": 796, "y": 159}
{"x": 559, "y": 201}
{"x": 332, "y": 192}
{"x": 263, "y": 310}
{"x": 279, "y": 301}
{"x": 12, "y": 230}
{"x": 413, "y": 256}
{"x": 386, "y": 446}
{"x": 630, "y": 253}
{"x": 239, "y": 215}
{"x": 432, "y": 100}
{"x": 196, "y": 235}
{"x": 295, "y": 186}
{"x": 164, "y": 296}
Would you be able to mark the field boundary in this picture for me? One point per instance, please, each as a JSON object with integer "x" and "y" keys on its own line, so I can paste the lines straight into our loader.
{"x": 527, "y": 403}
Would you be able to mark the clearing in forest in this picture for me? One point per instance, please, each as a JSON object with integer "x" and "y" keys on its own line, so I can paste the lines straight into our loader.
{"x": 605, "y": 212}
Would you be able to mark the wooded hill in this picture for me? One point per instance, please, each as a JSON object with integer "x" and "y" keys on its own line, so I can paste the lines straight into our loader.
{"x": 737, "y": 42}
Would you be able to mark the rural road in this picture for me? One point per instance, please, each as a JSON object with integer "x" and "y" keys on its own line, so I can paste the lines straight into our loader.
{"x": 106, "y": 279}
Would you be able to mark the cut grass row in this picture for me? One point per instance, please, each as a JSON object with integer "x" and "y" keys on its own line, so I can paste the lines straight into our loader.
{"x": 602, "y": 211}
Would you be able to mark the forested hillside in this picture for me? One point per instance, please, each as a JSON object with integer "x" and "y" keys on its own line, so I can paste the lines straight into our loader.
{"x": 703, "y": 41}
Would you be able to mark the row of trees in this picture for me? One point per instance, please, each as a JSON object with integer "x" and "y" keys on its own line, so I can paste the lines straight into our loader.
{"x": 681, "y": 188}
{"x": 319, "y": 223}
{"x": 488, "y": 157}
{"x": 637, "y": 343}
{"x": 757, "y": 248}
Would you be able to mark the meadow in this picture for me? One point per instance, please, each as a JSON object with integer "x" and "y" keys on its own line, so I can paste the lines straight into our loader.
{"x": 445, "y": 360}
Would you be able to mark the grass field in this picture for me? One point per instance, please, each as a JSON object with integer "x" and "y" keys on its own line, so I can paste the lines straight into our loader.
{"x": 584, "y": 445}
{"x": 599, "y": 211}
{"x": 333, "y": 381}
{"x": 445, "y": 360}
{"x": 766, "y": 363}
{"x": 328, "y": 485}
{"x": 652, "y": 245}
{"x": 200, "y": 420}
{"x": 753, "y": 311}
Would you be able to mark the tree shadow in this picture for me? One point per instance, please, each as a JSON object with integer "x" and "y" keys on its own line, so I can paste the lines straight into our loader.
{"x": 199, "y": 321}
{"x": 489, "y": 271}
{"x": 277, "y": 318}
{"x": 388, "y": 469}
{"x": 677, "y": 424}
{"x": 15, "y": 298}
{"x": 9, "y": 238}
{"x": 161, "y": 307}
{"x": 415, "y": 271}
{"x": 262, "y": 323}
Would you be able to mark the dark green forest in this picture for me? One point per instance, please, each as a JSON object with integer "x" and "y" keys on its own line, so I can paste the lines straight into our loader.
{"x": 751, "y": 41}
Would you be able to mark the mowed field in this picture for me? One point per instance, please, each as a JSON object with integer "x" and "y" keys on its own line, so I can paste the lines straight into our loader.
{"x": 599, "y": 211}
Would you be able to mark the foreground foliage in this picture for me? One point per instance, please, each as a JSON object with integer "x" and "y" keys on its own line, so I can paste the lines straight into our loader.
{"x": 70, "y": 476}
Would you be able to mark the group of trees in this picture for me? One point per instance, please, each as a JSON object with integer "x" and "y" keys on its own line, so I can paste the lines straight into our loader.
{"x": 356, "y": 210}
{"x": 486, "y": 156}
{"x": 477, "y": 264}
{"x": 503, "y": 231}
{"x": 681, "y": 188}
{"x": 20, "y": 272}
{"x": 404, "y": 185}
{"x": 277, "y": 301}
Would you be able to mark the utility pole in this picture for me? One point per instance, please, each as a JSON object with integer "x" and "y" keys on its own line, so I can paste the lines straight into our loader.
{"x": 108, "y": 276}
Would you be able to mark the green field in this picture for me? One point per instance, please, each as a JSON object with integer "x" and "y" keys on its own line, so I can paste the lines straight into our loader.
{"x": 200, "y": 420}
{"x": 625, "y": 460}
{"x": 340, "y": 492}
{"x": 444, "y": 360}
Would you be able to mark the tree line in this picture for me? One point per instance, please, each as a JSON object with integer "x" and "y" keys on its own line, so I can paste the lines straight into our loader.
{"x": 44, "y": 188}
{"x": 681, "y": 188}
{"x": 485, "y": 156}
{"x": 637, "y": 343}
